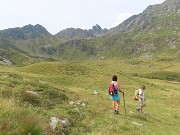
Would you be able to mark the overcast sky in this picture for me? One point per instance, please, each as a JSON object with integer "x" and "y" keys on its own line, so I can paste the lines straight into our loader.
{"x": 56, "y": 15}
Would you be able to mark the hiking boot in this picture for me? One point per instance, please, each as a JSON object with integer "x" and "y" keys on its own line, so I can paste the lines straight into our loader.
{"x": 138, "y": 109}
{"x": 141, "y": 112}
{"x": 117, "y": 112}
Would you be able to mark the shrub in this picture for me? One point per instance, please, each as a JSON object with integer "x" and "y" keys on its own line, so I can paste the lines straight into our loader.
{"x": 7, "y": 93}
{"x": 33, "y": 99}
{"x": 163, "y": 75}
{"x": 29, "y": 125}
{"x": 48, "y": 104}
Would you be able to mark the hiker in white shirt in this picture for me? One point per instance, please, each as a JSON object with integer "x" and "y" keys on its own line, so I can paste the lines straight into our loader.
{"x": 141, "y": 98}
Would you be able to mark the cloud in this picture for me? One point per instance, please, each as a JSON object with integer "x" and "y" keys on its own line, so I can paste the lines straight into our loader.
{"x": 121, "y": 17}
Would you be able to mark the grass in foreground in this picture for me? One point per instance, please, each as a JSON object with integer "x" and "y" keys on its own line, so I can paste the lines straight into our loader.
{"x": 58, "y": 83}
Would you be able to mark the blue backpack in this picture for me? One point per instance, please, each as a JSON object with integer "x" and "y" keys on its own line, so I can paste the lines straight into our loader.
{"x": 113, "y": 89}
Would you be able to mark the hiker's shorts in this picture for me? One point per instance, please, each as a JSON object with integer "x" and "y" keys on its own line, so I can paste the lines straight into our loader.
{"x": 116, "y": 97}
{"x": 142, "y": 102}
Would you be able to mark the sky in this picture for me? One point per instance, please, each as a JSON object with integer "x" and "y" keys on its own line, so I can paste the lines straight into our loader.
{"x": 56, "y": 15}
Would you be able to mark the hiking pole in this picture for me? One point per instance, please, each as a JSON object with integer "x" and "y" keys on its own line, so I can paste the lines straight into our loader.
{"x": 124, "y": 104}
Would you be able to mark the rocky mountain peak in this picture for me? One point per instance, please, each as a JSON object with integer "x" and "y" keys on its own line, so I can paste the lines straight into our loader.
{"x": 25, "y": 32}
{"x": 72, "y": 33}
{"x": 27, "y": 27}
{"x": 97, "y": 28}
{"x": 150, "y": 18}
{"x": 166, "y": 7}
{"x": 36, "y": 30}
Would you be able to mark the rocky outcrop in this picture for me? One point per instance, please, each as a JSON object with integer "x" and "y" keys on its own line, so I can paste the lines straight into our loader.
{"x": 97, "y": 30}
{"x": 72, "y": 33}
{"x": 5, "y": 61}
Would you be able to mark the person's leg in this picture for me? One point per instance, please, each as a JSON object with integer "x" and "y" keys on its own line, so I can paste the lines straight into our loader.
{"x": 138, "y": 108}
{"x": 117, "y": 106}
{"x": 141, "y": 107}
{"x": 113, "y": 104}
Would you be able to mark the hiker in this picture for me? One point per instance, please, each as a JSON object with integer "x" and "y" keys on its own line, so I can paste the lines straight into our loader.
{"x": 141, "y": 98}
{"x": 116, "y": 98}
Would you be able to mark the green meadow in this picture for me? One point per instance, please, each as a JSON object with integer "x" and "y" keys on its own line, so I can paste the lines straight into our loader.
{"x": 60, "y": 82}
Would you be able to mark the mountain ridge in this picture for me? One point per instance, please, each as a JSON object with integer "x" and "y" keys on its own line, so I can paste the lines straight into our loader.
{"x": 78, "y": 33}
{"x": 148, "y": 17}
{"x": 154, "y": 32}
{"x": 25, "y": 32}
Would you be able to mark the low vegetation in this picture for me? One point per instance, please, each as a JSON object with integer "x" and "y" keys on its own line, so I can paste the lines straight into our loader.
{"x": 58, "y": 83}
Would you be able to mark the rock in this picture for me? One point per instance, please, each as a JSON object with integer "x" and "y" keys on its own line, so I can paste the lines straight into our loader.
{"x": 5, "y": 61}
{"x": 172, "y": 45}
{"x": 32, "y": 93}
{"x": 47, "y": 45}
{"x": 77, "y": 103}
{"x": 145, "y": 56}
{"x": 54, "y": 122}
{"x": 95, "y": 92}
{"x": 31, "y": 97}
{"x": 64, "y": 122}
{"x": 82, "y": 104}
{"x": 138, "y": 124}
{"x": 72, "y": 103}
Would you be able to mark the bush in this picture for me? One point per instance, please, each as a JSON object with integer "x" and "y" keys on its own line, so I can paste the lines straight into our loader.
{"x": 29, "y": 125}
{"x": 163, "y": 75}
{"x": 7, "y": 93}
{"x": 48, "y": 104}
{"x": 55, "y": 95}
{"x": 33, "y": 99}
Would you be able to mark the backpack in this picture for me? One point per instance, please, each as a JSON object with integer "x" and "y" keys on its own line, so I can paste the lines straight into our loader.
{"x": 113, "y": 89}
{"x": 136, "y": 95}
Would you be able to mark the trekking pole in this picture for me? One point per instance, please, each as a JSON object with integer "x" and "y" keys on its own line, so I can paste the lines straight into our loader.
{"x": 124, "y": 104}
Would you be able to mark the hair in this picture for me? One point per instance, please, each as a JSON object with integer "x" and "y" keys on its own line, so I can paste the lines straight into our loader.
{"x": 114, "y": 78}
{"x": 143, "y": 87}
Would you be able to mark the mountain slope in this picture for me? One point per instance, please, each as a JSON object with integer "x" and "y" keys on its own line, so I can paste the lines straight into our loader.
{"x": 154, "y": 33}
{"x": 72, "y": 33}
{"x": 18, "y": 45}
{"x": 153, "y": 18}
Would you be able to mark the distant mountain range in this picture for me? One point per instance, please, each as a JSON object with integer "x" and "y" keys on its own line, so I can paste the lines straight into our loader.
{"x": 154, "y": 32}
{"x": 38, "y": 31}
{"x": 72, "y": 33}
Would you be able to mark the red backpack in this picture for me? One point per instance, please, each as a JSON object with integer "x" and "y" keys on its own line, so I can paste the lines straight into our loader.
{"x": 113, "y": 89}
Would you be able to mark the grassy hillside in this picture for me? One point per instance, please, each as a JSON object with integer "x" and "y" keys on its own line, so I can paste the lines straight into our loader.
{"x": 59, "y": 83}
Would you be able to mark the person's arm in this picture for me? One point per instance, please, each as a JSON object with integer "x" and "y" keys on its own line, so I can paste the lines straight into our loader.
{"x": 140, "y": 94}
{"x": 119, "y": 88}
